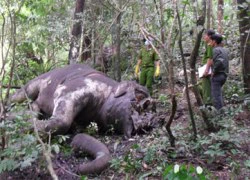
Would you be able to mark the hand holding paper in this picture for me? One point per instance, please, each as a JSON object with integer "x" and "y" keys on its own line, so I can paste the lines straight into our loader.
{"x": 202, "y": 71}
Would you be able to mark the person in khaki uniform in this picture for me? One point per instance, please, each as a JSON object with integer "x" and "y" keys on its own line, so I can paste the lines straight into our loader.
{"x": 205, "y": 81}
{"x": 148, "y": 60}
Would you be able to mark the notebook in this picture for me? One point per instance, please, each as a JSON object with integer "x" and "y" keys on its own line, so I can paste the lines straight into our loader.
{"x": 202, "y": 69}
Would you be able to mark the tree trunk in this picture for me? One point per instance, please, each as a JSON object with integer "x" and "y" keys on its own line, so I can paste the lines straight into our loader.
{"x": 143, "y": 11}
{"x": 212, "y": 14}
{"x": 193, "y": 60}
{"x": 76, "y": 33}
{"x": 13, "y": 31}
{"x": 162, "y": 22}
{"x": 244, "y": 27}
{"x": 93, "y": 43}
{"x": 170, "y": 70}
{"x": 220, "y": 16}
{"x": 209, "y": 4}
{"x": 118, "y": 45}
{"x": 195, "y": 7}
{"x": 2, "y": 65}
{"x": 86, "y": 47}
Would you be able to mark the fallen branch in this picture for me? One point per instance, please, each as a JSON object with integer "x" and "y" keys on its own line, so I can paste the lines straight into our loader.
{"x": 46, "y": 152}
{"x": 10, "y": 87}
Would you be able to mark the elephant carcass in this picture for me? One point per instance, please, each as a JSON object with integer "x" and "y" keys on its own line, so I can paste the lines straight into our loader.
{"x": 80, "y": 94}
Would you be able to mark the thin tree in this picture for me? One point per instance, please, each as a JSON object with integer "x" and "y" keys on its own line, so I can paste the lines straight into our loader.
{"x": 185, "y": 75}
{"x": 220, "y": 15}
{"x": 212, "y": 14}
{"x": 195, "y": 14}
{"x": 86, "y": 47}
{"x": 117, "y": 71}
{"x": 75, "y": 40}
{"x": 192, "y": 63}
{"x": 244, "y": 28}
{"x": 209, "y": 5}
{"x": 168, "y": 54}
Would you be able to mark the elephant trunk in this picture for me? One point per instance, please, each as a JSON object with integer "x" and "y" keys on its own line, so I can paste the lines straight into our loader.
{"x": 96, "y": 149}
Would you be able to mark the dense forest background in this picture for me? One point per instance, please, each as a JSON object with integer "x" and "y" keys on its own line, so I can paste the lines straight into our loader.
{"x": 38, "y": 36}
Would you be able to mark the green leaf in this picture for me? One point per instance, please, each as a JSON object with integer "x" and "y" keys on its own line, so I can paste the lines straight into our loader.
{"x": 56, "y": 148}
{"x": 226, "y": 17}
{"x": 84, "y": 178}
{"x": 27, "y": 162}
{"x": 8, "y": 165}
{"x": 135, "y": 146}
{"x": 145, "y": 175}
{"x": 186, "y": 2}
{"x": 247, "y": 163}
{"x": 167, "y": 171}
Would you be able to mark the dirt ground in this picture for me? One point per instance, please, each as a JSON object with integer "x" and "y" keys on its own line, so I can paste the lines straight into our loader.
{"x": 65, "y": 164}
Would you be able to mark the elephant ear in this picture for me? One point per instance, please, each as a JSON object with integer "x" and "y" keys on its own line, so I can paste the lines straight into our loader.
{"x": 138, "y": 91}
{"x": 121, "y": 89}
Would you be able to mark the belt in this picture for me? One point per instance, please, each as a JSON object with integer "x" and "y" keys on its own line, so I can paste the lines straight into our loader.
{"x": 147, "y": 66}
{"x": 219, "y": 73}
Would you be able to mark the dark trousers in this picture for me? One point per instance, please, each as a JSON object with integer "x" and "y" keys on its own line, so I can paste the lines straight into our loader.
{"x": 217, "y": 81}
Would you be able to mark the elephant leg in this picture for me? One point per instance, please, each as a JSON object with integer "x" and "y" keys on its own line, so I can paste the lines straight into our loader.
{"x": 31, "y": 90}
{"x": 61, "y": 119}
{"x": 128, "y": 129}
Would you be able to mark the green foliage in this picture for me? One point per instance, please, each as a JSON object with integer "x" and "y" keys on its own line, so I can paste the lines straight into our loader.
{"x": 58, "y": 145}
{"x": 30, "y": 70}
{"x": 247, "y": 101}
{"x": 235, "y": 167}
{"x": 92, "y": 128}
{"x": 247, "y": 163}
{"x": 129, "y": 163}
{"x": 40, "y": 33}
{"x": 224, "y": 145}
{"x": 214, "y": 151}
{"x": 22, "y": 149}
{"x": 8, "y": 165}
{"x": 216, "y": 145}
{"x": 138, "y": 159}
{"x": 150, "y": 155}
{"x": 187, "y": 172}
{"x": 42, "y": 29}
{"x": 83, "y": 177}
{"x": 233, "y": 91}
{"x": 116, "y": 163}
{"x": 164, "y": 100}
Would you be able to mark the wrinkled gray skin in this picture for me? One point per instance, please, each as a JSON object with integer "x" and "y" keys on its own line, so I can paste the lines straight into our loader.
{"x": 96, "y": 149}
{"x": 80, "y": 94}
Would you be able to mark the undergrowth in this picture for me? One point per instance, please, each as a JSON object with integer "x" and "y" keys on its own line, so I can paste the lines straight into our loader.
{"x": 212, "y": 152}
{"x": 149, "y": 155}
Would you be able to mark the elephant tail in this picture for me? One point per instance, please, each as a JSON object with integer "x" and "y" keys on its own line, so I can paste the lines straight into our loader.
{"x": 96, "y": 149}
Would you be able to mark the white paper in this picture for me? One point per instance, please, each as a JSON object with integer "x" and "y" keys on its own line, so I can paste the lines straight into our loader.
{"x": 202, "y": 69}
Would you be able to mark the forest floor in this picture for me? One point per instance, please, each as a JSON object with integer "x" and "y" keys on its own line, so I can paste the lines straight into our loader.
{"x": 222, "y": 155}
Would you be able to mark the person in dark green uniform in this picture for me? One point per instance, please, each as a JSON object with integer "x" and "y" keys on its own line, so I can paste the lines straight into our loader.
{"x": 205, "y": 81}
{"x": 148, "y": 60}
